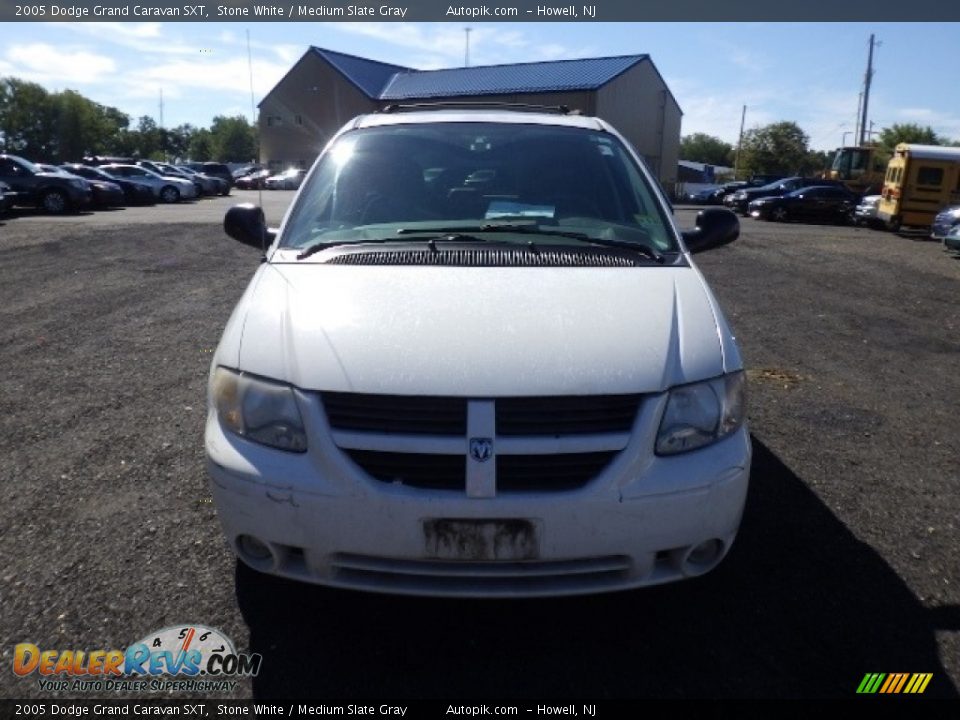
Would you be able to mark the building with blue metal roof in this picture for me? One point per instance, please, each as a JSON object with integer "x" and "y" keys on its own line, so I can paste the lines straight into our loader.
{"x": 325, "y": 89}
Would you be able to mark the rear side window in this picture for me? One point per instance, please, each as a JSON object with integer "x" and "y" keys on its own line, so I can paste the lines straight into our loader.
{"x": 929, "y": 176}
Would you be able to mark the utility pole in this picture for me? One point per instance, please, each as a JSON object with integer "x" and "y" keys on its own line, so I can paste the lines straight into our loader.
{"x": 866, "y": 91}
{"x": 163, "y": 144}
{"x": 466, "y": 50}
{"x": 736, "y": 157}
{"x": 253, "y": 107}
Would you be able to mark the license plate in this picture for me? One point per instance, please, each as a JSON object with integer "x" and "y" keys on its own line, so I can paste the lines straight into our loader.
{"x": 452, "y": 539}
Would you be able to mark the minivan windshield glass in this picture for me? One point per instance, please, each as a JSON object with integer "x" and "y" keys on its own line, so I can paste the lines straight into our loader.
{"x": 374, "y": 182}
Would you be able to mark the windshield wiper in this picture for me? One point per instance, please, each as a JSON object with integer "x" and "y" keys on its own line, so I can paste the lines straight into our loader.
{"x": 464, "y": 234}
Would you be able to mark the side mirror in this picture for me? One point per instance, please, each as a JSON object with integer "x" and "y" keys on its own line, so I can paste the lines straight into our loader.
{"x": 247, "y": 224}
{"x": 715, "y": 227}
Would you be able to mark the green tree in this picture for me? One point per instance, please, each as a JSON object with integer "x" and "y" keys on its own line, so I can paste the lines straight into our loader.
{"x": 232, "y": 139}
{"x": 704, "y": 148}
{"x": 816, "y": 162}
{"x": 147, "y": 139}
{"x": 83, "y": 127}
{"x": 178, "y": 140}
{"x": 26, "y": 119}
{"x": 201, "y": 146}
{"x": 780, "y": 147}
{"x": 908, "y": 133}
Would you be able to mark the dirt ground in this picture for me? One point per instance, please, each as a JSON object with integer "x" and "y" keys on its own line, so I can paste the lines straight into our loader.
{"x": 848, "y": 560}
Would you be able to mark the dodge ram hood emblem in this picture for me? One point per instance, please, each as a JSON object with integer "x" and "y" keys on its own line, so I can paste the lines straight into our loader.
{"x": 481, "y": 449}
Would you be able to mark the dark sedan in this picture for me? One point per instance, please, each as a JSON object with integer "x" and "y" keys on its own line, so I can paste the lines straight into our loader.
{"x": 254, "y": 180}
{"x": 106, "y": 193}
{"x": 739, "y": 200}
{"x": 133, "y": 193}
{"x": 54, "y": 193}
{"x": 819, "y": 202}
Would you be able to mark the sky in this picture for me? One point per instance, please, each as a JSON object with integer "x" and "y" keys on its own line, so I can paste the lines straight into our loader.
{"x": 811, "y": 74}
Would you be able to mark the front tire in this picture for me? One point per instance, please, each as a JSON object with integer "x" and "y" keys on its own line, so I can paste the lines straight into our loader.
{"x": 169, "y": 194}
{"x": 54, "y": 202}
{"x": 779, "y": 214}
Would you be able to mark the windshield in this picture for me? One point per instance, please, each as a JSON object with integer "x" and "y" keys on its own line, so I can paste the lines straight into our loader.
{"x": 376, "y": 181}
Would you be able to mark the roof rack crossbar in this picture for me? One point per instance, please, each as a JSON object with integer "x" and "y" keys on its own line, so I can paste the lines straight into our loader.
{"x": 477, "y": 105}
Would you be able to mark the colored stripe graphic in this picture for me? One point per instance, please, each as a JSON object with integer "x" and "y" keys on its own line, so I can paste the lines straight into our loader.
{"x": 894, "y": 683}
{"x": 870, "y": 683}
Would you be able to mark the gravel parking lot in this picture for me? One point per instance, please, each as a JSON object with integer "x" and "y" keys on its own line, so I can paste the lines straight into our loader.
{"x": 848, "y": 560}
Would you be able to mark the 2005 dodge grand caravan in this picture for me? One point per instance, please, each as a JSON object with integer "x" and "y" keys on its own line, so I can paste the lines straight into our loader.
{"x": 478, "y": 360}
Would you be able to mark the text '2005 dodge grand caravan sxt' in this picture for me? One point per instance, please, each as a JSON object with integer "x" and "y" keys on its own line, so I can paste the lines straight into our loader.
{"x": 478, "y": 360}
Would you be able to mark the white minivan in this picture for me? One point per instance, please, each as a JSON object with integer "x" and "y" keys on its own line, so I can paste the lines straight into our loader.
{"x": 478, "y": 360}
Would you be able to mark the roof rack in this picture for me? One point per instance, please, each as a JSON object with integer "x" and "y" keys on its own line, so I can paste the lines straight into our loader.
{"x": 477, "y": 105}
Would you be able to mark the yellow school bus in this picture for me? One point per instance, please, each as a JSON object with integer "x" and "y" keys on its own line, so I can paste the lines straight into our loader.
{"x": 920, "y": 181}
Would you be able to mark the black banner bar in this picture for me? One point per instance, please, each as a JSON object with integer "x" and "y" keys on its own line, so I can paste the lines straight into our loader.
{"x": 878, "y": 11}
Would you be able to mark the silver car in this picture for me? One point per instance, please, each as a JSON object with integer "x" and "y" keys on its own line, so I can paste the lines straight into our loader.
{"x": 866, "y": 211}
{"x": 167, "y": 189}
{"x": 944, "y": 222}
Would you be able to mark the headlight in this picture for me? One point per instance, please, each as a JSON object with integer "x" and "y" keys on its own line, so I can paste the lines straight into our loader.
{"x": 702, "y": 413}
{"x": 261, "y": 411}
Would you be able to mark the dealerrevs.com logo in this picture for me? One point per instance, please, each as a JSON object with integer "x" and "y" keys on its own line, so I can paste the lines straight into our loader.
{"x": 181, "y": 657}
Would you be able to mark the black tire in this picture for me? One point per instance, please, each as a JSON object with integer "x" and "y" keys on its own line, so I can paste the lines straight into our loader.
{"x": 54, "y": 202}
{"x": 169, "y": 194}
{"x": 894, "y": 224}
{"x": 779, "y": 214}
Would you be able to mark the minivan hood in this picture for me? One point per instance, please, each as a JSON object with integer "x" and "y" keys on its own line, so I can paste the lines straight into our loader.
{"x": 478, "y": 332}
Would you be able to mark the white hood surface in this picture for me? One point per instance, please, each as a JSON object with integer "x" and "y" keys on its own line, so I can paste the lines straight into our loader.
{"x": 478, "y": 332}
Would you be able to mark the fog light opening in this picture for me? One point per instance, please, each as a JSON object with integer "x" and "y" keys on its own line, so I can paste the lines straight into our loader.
{"x": 255, "y": 552}
{"x": 703, "y": 557}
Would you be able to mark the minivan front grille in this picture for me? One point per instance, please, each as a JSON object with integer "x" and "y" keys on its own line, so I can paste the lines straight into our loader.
{"x": 515, "y": 473}
{"x": 540, "y": 444}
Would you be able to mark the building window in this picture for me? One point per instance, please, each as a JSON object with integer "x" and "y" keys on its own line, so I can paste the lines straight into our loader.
{"x": 274, "y": 121}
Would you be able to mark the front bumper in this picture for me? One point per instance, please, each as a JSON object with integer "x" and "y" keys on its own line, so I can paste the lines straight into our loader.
{"x": 324, "y": 520}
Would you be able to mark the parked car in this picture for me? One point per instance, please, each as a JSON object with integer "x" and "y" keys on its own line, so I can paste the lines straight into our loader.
{"x": 430, "y": 385}
{"x": 706, "y": 196}
{"x": 866, "y": 212}
{"x": 51, "y": 192}
{"x": 951, "y": 240}
{"x": 166, "y": 170}
{"x": 254, "y": 180}
{"x": 134, "y": 193}
{"x": 944, "y": 222}
{"x": 7, "y": 197}
{"x": 818, "y": 202}
{"x": 287, "y": 180}
{"x": 167, "y": 189}
{"x": 219, "y": 170}
{"x": 244, "y": 171}
{"x": 741, "y": 199}
{"x": 210, "y": 185}
{"x": 105, "y": 193}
